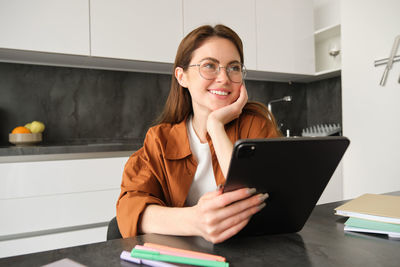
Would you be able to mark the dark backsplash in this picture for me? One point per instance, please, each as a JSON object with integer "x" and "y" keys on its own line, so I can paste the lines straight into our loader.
{"x": 84, "y": 104}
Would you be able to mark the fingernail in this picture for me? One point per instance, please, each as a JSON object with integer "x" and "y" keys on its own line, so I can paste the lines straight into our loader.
{"x": 251, "y": 191}
{"x": 261, "y": 206}
{"x": 263, "y": 197}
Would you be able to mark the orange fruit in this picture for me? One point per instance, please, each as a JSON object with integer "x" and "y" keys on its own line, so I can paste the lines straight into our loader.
{"x": 20, "y": 129}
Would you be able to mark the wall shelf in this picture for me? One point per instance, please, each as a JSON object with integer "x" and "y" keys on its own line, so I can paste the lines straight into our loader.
{"x": 327, "y": 32}
{"x": 326, "y": 40}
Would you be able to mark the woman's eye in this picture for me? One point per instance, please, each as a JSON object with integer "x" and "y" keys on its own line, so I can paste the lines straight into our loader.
{"x": 210, "y": 66}
{"x": 236, "y": 68}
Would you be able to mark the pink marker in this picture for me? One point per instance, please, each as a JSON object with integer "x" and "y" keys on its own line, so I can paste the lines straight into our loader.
{"x": 180, "y": 252}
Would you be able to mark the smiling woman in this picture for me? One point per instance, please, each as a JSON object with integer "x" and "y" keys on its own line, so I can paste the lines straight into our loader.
{"x": 177, "y": 173}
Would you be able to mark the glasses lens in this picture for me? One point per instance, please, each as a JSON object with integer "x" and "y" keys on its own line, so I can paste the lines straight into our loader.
{"x": 235, "y": 72}
{"x": 209, "y": 70}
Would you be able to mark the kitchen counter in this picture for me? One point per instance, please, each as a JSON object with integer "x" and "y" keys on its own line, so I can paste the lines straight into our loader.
{"x": 70, "y": 150}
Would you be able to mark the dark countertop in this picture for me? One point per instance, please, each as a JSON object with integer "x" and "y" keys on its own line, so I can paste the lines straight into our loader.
{"x": 71, "y": 149}
{"x": 322, "y": 242}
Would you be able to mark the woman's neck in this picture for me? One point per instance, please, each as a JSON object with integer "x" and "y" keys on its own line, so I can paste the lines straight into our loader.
{"x": 199, "y": 123}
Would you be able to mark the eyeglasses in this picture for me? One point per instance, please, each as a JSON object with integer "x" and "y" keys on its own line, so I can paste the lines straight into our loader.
{"x": 210, "y": 69}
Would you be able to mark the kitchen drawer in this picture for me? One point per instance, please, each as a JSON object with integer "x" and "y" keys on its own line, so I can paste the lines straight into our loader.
{"x": 24, "y": 215}
{"x": 32, "y": 179}
{"x": 34, "y": 244}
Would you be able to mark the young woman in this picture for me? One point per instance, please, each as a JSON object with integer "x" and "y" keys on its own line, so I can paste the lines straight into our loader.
{"x": 170, "y": 185}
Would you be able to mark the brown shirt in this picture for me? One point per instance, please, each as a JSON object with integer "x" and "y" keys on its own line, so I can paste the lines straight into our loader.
{"x": 162, "y": 171}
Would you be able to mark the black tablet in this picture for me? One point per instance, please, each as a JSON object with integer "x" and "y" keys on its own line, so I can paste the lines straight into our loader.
{"x": 293, "y": 171}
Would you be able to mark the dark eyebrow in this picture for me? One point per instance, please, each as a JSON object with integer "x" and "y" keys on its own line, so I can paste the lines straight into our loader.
{"x": 234, "y": 61}
{"x": 210, "y": 58}
{"x": 217, "y": 61}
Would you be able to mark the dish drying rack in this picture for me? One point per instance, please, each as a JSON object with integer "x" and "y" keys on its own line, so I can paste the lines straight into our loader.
{"x": 322, "y": 130}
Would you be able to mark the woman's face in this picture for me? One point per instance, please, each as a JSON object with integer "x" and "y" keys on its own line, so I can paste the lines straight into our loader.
{"x": 211, "y": 94}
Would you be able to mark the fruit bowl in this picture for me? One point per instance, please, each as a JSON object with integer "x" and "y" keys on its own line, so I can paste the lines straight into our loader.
{"x": 25, "y": 139}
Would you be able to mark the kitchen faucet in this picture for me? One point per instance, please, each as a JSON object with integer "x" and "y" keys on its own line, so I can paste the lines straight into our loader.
{"x": 287, "y": 98}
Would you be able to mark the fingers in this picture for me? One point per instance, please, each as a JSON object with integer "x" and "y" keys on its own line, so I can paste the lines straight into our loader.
{"x": 222, "y": 215}
{"x": 228, "y": 233}
{"x": 241, "y": 208}
{"x": 212, "y": 194}
{"x": 243, "y": 93}
{"x": 230, "y": 197}
{"x": 230, "y": 225}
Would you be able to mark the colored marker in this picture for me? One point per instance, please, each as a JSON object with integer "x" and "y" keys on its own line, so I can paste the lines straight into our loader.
{"x": 155, "y": 255}
{"x": 188, "y": 253}
{"x": 125, "y": 255}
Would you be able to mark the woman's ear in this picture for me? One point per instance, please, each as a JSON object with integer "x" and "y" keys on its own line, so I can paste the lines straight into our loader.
{"x": 180, "y": 76}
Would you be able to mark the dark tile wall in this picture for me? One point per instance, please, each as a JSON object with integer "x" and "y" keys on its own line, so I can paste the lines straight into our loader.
{"x": 289, "y": 115}
{"x": 85, "y": 105}
{"x": 79, "y": 104}
{"x": 324, "y": 102}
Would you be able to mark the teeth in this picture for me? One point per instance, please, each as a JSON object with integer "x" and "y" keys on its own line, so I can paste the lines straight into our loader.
{"x": 218, "y": 92}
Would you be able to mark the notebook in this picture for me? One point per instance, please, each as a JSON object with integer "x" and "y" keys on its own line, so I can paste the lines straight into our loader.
{"x": 293, "y": 171}
{"x": 383, "y": 208}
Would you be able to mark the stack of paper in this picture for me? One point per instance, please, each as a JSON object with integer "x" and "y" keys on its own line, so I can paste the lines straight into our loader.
{"x": 373, "y": 214}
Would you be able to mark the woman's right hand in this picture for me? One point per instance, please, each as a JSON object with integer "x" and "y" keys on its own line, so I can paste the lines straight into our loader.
{"x": 219, "y": 216}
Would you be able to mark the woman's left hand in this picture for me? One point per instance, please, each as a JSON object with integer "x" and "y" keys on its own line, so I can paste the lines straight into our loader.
{"x": 228, "y": 113}
{"x": 216, "y": 128}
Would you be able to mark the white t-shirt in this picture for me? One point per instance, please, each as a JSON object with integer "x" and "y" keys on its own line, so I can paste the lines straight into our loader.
{"x": 204, "y": 179}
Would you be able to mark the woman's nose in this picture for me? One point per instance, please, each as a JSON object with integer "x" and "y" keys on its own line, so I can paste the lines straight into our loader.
{"x": 222, "y": 75}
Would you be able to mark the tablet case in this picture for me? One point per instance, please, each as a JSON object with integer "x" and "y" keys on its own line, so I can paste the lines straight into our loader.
{"x": 293, "y": 171}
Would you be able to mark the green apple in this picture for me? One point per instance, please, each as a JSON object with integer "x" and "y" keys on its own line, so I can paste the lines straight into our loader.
{"x": 37, "y": 127}
{"x": 28, "y": 125}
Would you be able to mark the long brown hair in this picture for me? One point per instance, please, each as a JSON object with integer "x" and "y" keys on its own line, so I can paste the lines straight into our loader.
{"x": 179, "y": 102}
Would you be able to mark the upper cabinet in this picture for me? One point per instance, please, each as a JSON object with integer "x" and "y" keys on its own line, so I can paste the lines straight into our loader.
{"x": 236, "y": 14}
{"x": 45, "y": 25}
{"x": 285, "y": 36}
{"x": 136, "y": 35}
{"x": 136, "y": 30}
{"x": 328, "y": 56}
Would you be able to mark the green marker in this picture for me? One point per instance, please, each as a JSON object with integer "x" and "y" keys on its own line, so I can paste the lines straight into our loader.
{"x": 155, "y": 255}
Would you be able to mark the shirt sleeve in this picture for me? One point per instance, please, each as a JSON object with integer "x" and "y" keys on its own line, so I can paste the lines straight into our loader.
{"x": 141, "y": 186}
{"x": 257, "y": 126}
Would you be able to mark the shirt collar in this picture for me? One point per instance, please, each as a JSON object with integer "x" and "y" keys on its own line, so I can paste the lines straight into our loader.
{"x": 178, "y": 146}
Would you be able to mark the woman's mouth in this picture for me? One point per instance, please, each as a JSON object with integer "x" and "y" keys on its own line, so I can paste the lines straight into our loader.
{"x": 219, "y": 92}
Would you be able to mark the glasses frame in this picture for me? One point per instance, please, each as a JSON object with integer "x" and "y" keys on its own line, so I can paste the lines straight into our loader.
{"x": 244, "y": 71}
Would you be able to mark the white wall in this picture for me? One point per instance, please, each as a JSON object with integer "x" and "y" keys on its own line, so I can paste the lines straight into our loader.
{"x": 370, "y": 112}
{"x": 326, "y": 13}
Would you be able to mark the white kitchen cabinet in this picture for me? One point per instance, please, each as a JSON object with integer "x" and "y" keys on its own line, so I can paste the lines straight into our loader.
{"x": 42, "y": 199}
{"x": 55, "y": 26}
{"x": 327, "y": 44}
{"x": 236, "y": 14}
{"x": 327, "y": 37}
{"x": 136, "y": 30}
{"x": 285, "y": 36}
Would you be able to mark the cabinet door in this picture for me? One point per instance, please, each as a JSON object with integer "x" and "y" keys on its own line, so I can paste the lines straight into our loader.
{"x": 236, "y": 14}
{"x": 285, "y": 40}
{"x": 137, "y": 30}
{"x": 45, "y": 25}
{"x": 58, "y": 194}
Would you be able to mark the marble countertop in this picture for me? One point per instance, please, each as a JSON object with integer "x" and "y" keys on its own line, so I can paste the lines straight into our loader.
{"x": 70, "y": 150}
